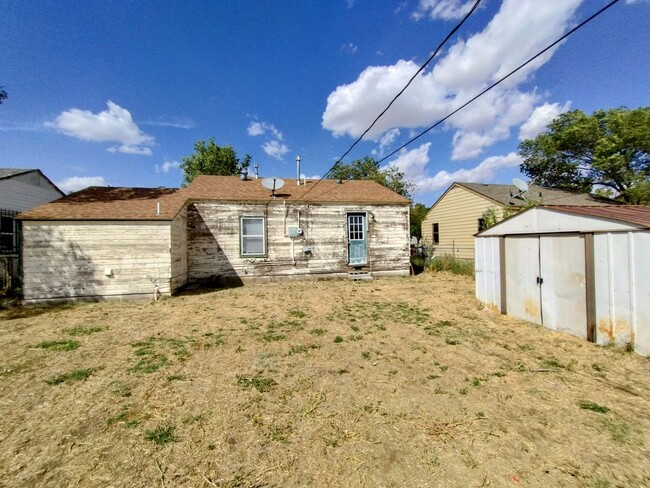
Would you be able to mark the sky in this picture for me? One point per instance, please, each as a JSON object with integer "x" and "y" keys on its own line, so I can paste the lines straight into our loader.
{"x": 117, "y": 93}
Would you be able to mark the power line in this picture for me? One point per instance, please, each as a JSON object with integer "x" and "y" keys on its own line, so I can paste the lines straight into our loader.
{"x": 433, "y": 55}
{"x": 584, "y": 22}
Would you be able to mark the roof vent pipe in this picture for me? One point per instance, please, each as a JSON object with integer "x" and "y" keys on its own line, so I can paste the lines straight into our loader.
{"x": 243, "y": 174}
{"x": 257, "y": 167}
{"x": 157, "y": 208}
{"x": 298, "y": 170}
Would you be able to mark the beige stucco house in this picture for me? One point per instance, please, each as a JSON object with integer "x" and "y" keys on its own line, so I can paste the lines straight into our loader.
{"x": 458, "y": 214}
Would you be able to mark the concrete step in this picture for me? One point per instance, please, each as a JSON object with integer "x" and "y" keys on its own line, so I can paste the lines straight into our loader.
{"x": 359, "y": 275}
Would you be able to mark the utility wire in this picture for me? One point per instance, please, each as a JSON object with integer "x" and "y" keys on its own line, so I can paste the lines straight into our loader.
{"x": 584, "y": 22}
{"x": 433, "y": 55}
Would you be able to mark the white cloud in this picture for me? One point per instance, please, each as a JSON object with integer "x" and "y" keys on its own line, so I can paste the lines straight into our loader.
{"x": 442, "y": 9}
{"x": 112, "y": 125}
{"x": 174, "y": 122}
{"x": 540, "y": 118}
{"x": 413, "y": 163}
{"x": 145, "y": 151}
{"x": 256, "y": 128}
{"x": 76, "y": 183}
{"x": 275, "y": 149}
{"x": 387, "y": 139}
{"x": 350, "y": 48}
{"x": 167, "y": 166}
{"x": 466, "y": 69}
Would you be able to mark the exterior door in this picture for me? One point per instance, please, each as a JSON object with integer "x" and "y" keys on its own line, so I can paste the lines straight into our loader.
{"x": 357, "y": 245}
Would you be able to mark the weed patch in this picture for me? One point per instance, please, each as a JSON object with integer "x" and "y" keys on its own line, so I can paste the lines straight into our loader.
{"x": 260, "y": 384}
{"x": 72, "y": 376}
{"x": 83, "y": 331}
{"x": 161, "y": 435}
{"x": 58, "y": 345}
{"x": 594, "y": 407}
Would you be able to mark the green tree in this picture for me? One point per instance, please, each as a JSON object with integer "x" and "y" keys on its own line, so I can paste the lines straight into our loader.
{"x": 211, "y": 159}
{"x": 368, "y": 169}
{"x": 418, "y": 213}
{"x": 609, "y": 150}
{"x": 3, "y": 94}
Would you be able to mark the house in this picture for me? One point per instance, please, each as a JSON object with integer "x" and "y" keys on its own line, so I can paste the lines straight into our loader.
{"x": 132, "y": 242}
{"x": 577, "y": 269}
{"x": 452, "y": 221}
{"x": 20, "y": 189}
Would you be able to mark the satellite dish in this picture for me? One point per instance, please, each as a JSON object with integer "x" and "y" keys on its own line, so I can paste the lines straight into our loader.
{"x": 521, "y": 185}
{"x": 273, "y": 184}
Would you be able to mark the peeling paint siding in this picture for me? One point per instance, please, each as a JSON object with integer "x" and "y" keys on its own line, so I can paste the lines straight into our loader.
{"x": 623, "y": 289}
{"x": 214, "y": 247}
{"x": 487, "y": 264}
{"x": 64, "y": 260}
{"x": 178, "y": 250}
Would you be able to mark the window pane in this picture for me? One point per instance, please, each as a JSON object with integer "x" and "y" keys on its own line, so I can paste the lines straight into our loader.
{"x": 253, "y": 227}
{"x": 253, "y": 245}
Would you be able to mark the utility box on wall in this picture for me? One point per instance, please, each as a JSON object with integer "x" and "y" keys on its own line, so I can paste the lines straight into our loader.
{"x": 294, "y": 232}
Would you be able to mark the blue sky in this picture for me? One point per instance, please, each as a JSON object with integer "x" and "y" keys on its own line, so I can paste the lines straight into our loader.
{"x": 118, "y": 92}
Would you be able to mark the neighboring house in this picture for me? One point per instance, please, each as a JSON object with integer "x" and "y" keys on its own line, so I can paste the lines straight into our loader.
{"x": 20, "y": 190}
{"x": 121, "y": 242}
{"x": 458, "y": 214}
{"x": 576, "y": 269}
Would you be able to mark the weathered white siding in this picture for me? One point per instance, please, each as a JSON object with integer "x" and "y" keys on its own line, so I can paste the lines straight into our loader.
{"x": 622, "y": 262}
{"x": 66, "y": 260}
{"x": 214, "y": 247}
{"x": 457, "y": 214}
{"x": 179, "y": 250}
{"x": 25, "y": 191}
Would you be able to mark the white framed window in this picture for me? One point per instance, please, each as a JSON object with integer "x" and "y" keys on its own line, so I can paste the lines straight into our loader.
{"x": 252, "y": 236}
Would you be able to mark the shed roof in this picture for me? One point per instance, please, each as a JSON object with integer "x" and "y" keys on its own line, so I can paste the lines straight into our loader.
{"x": 550, "y": 219}
{"x": 633, "y": 214}
{"x": 506, "y": 195}
{"x": 107, "y": 203}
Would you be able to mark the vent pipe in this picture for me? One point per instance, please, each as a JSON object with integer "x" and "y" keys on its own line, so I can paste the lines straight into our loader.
{"x": 257, "y": 167}
{"x": 298, "y": 170}
{"x": 157, "y": 208}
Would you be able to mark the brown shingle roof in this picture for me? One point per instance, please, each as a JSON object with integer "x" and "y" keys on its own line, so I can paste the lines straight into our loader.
{"x": 231, "y": 188}
{"x": 545, "y": 196}
{"x": 106, "y": 203}
{"x": 634, "y": 214}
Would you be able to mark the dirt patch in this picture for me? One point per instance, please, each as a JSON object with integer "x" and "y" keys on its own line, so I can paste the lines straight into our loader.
{"x": 393, "y": 382}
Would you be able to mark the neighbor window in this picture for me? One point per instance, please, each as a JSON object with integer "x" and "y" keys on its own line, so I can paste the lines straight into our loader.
{"x": 7, "y": 232}
{"x": 252, "y": 237}
{"x": 436, "y": 234}
{"x": 481, "y": 224}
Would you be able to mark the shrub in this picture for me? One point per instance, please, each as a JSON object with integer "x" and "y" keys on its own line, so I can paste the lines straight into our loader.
{"x": 464, "y": 267}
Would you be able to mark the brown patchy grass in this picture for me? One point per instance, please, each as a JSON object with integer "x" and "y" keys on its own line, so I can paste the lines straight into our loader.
{"x": 395, "y": 382}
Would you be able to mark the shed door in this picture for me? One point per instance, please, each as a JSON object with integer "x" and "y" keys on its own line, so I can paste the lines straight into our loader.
{"x": 545, "y": 281}
{"x": 357, "y": 250}
{"x": 523, "y": 297}
{"x": 564, "y": 293}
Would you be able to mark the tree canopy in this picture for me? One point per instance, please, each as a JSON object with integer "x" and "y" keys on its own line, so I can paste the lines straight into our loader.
{"x": 607, "y": 153}
{"x": 418, "y": 213}
{"x": 3, "y": 94}
{"x": 368, "y": 169}
{"x": 212, "y": 159}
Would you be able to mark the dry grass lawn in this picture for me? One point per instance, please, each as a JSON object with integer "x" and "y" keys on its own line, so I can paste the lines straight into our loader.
{"x": 394, "y": 382}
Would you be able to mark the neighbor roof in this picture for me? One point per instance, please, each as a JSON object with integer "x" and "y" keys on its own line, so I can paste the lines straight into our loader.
{"x": 107, "y": 203}
{"x": 7, "y": 172}
{"x": 231, "y": 188}
{"x": 634, "y": 214}
{"x": 505, "y": 195}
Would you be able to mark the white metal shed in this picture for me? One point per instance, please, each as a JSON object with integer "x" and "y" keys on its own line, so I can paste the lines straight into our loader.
{"x": 581, "y": 270}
